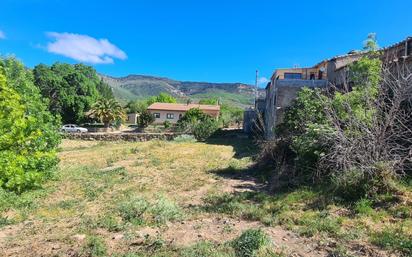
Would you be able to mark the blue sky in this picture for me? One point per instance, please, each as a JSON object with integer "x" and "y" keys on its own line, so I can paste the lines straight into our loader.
{"x": 216, "y": 41}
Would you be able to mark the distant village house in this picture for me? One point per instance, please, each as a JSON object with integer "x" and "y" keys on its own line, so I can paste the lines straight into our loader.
{"x": 172, "y": 112}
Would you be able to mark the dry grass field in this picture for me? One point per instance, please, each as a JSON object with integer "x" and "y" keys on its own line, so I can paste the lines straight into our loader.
{"x": 188, "y": 199}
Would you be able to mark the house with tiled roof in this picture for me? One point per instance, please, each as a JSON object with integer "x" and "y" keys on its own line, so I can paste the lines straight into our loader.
{"x": 172, "y": 112}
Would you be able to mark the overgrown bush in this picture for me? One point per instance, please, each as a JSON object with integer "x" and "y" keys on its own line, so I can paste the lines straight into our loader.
{"x": 201, "y": 125}
{"x": 203, "y": 130}
{"x": 29, "y": 136}
{"x": 167, "y": 124}
{"x": 145, "y": 119}
{"x": 354, "y": 137}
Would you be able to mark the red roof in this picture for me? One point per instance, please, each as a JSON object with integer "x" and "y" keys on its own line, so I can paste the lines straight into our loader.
{"x": 182, "y": 107}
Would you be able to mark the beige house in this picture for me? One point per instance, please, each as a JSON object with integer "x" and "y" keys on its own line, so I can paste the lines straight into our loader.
{"x": 172, "y": 112}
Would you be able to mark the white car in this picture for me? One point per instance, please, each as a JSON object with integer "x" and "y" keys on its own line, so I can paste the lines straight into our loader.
{"x": 73, "y": 128}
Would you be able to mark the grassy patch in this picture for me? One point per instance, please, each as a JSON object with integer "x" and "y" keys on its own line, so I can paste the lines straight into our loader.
{"x": 207, "y": 249}
{"x": 112, "y": 189}
{"x": 94, "y": 247}
{"x": 139, "y": 211}
{"x": 394, "y": 238}
{"x": 251, "y": 243}
{"x": 256, "y": 206}
{"x": 307, "y": 212}
{"x": 110, "y": 222}
{"x": 312, "y": 223}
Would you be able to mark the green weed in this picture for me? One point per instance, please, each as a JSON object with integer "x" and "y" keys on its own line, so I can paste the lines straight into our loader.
{"x": 110, "y": 222}
{"x": 207, "y": 249}
{"x": 250, "y": 243}
{"x": 95, "y": 247}
{"x": 394, "y": 239}
{"x": 139, "y": 211}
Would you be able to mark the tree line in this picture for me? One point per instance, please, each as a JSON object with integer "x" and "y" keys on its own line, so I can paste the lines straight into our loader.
{"x": 35, "y": 102}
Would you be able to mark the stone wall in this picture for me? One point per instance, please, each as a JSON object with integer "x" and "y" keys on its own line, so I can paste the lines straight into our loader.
{"x": 131, "y": 137}
{"x": 100, "y": 129}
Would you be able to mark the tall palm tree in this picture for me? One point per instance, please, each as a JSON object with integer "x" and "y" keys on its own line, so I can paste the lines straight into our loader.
{"x": 107, "y": 111}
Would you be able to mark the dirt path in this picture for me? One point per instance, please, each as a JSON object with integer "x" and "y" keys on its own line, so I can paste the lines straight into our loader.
{"x": 221, "y": 228}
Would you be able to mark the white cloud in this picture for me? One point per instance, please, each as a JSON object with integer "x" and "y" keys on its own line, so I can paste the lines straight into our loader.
{"x": 263, "y": 81}
{"x": 2, "y": 35}
{"x": 84, "y": 48}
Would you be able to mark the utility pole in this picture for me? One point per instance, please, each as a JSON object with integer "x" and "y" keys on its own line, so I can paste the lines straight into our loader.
{"x": 256, "y": 88}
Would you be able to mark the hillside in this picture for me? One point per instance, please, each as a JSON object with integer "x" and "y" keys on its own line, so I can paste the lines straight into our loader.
{"x": 140, "y": 87}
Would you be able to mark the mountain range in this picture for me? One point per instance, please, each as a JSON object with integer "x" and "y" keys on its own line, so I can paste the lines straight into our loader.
{"x": 140, "y": 87}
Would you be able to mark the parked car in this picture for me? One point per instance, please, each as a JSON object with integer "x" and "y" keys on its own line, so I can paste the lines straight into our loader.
{"x": 73, "y": 128}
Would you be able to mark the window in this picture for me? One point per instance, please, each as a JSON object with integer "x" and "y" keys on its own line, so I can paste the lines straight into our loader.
{"x": 156, "y": 115}
{"x": 180, "y": 116}
{"x": 293, "y": 75}
{"x": 170, "y": 116}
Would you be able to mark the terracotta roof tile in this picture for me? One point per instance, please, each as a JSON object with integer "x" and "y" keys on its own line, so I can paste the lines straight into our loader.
{"x": 182, "y": 107}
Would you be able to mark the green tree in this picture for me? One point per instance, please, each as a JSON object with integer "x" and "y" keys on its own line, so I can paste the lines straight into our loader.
{"x": 210, "y": 101}
{"x": 370, "y": 44}
{"x": 29, "y": 136}
{"x": 145, "y": 119}
{"x": 136, "y": 106}
{"x": 71, "y": 89}
{"x": 107, "y": 111}
{"x": 161, "y": 98}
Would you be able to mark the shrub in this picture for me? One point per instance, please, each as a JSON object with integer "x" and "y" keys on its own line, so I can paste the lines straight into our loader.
{"x": 145, "y": 119}
{"x": 203, "y": 130}
{"x": 200, "y": 124}
{"x": 191, "y": 116}
{"x": 165, "y": 210}
{"x": 29, "y": 137}
{"x": 133, "y": 210}
{"x": 250, "y": 242}
{"x": 167, "y": 124}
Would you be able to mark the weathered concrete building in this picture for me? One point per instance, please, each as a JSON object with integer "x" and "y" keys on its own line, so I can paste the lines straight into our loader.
{"x": 285, "y": 83}
{"x": 283, "y": 88}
